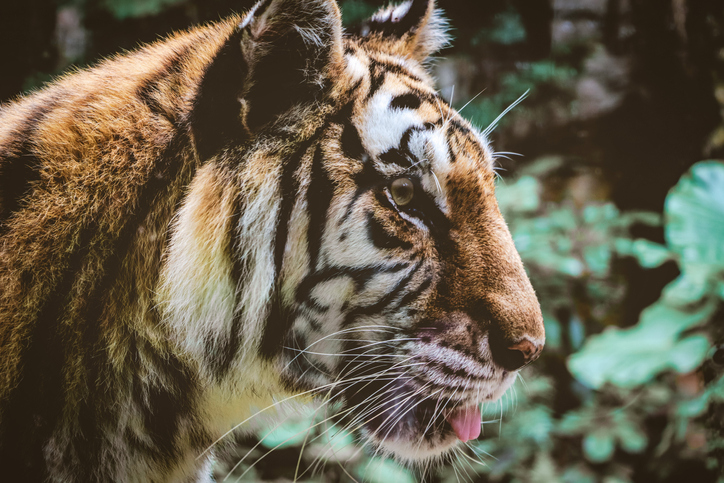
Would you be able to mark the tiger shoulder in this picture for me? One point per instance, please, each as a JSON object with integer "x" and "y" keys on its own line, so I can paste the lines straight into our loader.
{"x": 259, "y": 210}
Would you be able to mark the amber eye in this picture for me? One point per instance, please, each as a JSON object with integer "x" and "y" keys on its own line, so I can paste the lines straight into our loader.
{"x": 402, "y": 191}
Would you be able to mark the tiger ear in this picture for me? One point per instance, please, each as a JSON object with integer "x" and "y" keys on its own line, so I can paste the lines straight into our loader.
{"x": 415, "y": 28}
{"x": 282, "y": 53}
{"x": 293, "y": 48}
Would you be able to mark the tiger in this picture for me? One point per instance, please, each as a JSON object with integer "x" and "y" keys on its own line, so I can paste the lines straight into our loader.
{"x": 255, "y": 210}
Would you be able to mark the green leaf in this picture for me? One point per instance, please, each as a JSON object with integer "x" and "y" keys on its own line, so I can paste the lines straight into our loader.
{"x": 536, "y": 425}
{"x": 507, "y": 29}
{"x": 137, "y": 8}
{"x": 573, "y": 422}
{"x": 694, "y": 212}
{"x": 630, "y": 357}
{"x": 336, "y": 438}
{"x": 690, "y": 287}
{"x": 696, "y": 407}
{"x": 720, "y": 289}
{"x": 578, "y": 474}
{"x": 632, "y": 438}
{"x": 521, "y": 196}
{"x": 650, "y": 254}
{"x": 598, "y": 446}
{"x": 598, "y": 258}
{"x": 379, "y": 470}
{"x": 576, "y": 332}
{"x": 689, "y": 353}
{"x": 600, "y": 213}
{"x": 543, "y": 469}
{"x": 289, "y": 433}
{"x": 553, "y": 331}
{"x": 354, "y": 11}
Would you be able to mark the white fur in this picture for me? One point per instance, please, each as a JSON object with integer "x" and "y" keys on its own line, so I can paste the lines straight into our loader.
{"x": 197, "y": 293}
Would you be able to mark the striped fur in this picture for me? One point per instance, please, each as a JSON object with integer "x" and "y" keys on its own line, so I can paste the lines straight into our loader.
{"x": 206, "y": 225}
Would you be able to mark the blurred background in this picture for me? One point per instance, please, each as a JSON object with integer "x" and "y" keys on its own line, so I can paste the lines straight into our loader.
{"x": 613, "y": 187}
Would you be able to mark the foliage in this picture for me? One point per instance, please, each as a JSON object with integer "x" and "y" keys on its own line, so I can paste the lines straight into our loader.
{"x": 695, "y": 237}
{"x": 354, "y": 11}
{"x": 507, "y": 28}
{"x": 623, "y": 379}
{"x": 122, "y": 9}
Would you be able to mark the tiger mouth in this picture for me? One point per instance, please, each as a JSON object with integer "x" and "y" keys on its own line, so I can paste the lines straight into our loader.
{"x": 419, "y": 420}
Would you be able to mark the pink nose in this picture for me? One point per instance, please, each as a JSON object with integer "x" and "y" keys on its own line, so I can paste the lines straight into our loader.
{"x": 518, "y": 354}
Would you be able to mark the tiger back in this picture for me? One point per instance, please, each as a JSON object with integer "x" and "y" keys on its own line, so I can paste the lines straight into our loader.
{"x": 261, "y": 209}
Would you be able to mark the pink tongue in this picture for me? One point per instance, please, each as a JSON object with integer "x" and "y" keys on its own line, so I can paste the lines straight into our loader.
{"x": 465, "y": 422}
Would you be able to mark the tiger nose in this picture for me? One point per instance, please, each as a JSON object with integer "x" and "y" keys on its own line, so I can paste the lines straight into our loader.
{"x": 516, "y": 355}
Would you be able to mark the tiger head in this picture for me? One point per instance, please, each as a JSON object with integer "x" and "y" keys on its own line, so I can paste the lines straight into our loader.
{"x": 369, "y": 221}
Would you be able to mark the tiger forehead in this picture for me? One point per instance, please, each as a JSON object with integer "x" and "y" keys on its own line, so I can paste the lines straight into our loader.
{"x": 405, "y": 126}
{"x": 398, "y": 116}
{"x": 363, "y": 62}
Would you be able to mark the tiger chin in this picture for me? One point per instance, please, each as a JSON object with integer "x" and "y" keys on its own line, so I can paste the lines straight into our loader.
{"x": 263, "y": 209}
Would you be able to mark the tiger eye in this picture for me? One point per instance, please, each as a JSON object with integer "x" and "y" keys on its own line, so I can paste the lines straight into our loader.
{"x": 402, "y": 191}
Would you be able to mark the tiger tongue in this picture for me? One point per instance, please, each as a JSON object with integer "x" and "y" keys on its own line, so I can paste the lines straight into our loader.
{"x": 465, "y": 422}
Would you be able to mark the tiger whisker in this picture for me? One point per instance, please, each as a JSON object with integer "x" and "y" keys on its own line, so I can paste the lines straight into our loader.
{"x": 371, "y": 344}
{"x": 455, "y": 470}
{"x": 506, "y": 153}
{"x": 345, "y": 411}
{"x": 462, "y": 458}
{"x": 495, "y": 122}
{"x": 304, "y": 393}
{"x": 471, "y": 100}
{"x": 477, "y": 452}
{"x": 437, "y": 181}
{"x": 419, "y": 391}
{"x": 343, "y": 331}
{"x": 347, "y": 427}
{"x": 346, "y": 355}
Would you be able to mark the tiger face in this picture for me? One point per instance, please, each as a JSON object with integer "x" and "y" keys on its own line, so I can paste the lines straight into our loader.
{"x": 251, "y": 211}
{"x": 403, "y": 293}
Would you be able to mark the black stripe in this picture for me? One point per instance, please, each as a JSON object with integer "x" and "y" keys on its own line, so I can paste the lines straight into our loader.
{"x": 38, "y": 399}
{"x": 377, "y": 78}
{"x": 167, "y": 404}
{"x": 365, "y": 179}
{"x": 288, "y": 189}
{"x": 360, "y": 276}
{"x": 405, "y": 139}
{"x": 301, "y": 366}
{"x": 17, "y": 174}
{"x": 281, "y": 318}
{"x": 350, "y": 142}
{"x": 178, "y": 378}
{"x": 379, "y": 69}
{"x": 395, "y": 69}
{"x": 319, "y": 196}
{"x": 19, "y": 167}
{"x": 414, "y": 294}
{"x": 34, "y": 407}
{"x": 381, "y": 238}
{"x": 397, "y": 157}
{"x": 220, "y": 354}
{"x": 405, "y": 101}
{"x": 385, "y": 301}
{"x": 148, "y": 93}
